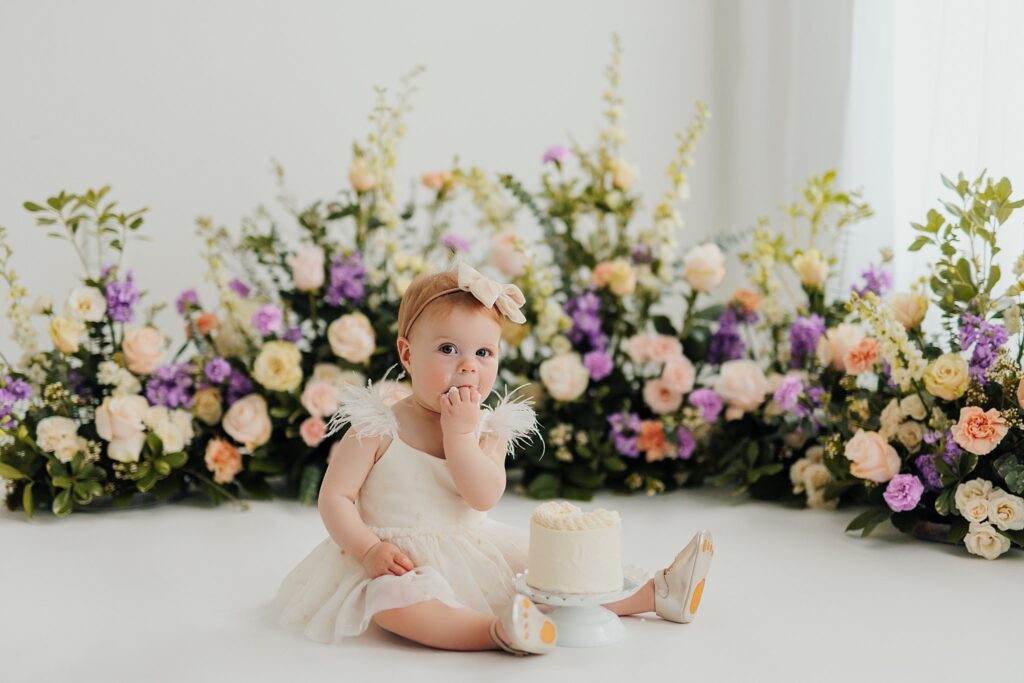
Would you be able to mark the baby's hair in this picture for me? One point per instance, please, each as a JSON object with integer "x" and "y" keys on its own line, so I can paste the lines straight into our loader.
{"x": 437, "y": 292}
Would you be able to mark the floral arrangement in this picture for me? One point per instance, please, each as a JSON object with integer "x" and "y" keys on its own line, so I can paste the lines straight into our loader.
{"x": 614, "y": 377}
{"x": 99, "y": 418}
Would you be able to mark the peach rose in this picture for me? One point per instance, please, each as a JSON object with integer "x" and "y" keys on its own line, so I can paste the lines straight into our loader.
{"x": 979, "y": 431}
{"x": 505, "y": 256}
{"x": 352, "y": 337}
{"x": 909, "y": 308}
{"x": 320, "y": 398}
{"x": 361, "y": 175}
{"x": 312, "y": 431}
{"x": 307, "y": 268}
{"x": 742, "y": 385}
{"x": 837, "y": 341}
{"x": 704, "y": 267}
{"x": 207, "y": 323}
{"x": 119, "y": 420}
{"x": 143, "y": 349}
{"x": 640, "y": 348}
{"x": 679, "y": 374}
{"x": 436, "y": 180}
{"x": 652, "y": 441}
{"x": 224, "y": 460}
{"x": 861, "y": 357}
{"x": 660, "y": 397}
{"x": 871, "y": 457}
{"x": 665, "y": 348}
{"x": 247, "y": 421}
{"x": 747, "y": 299}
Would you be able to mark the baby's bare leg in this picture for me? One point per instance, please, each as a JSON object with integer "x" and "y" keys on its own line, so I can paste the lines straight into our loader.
{"x": 637, "y": 603}
{"x": 435, "y": 624}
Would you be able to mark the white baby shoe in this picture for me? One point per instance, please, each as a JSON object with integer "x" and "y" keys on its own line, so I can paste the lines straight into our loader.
{"x": 529, "y": 632}
{"x": 678, "y": 588}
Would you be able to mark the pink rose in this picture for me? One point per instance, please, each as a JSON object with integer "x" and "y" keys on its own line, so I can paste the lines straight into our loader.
{"x": 871, "y": 457}
{"x": 320, "y": 398}
{"x": 978, "y": 431}
{"x": 436, "y": 180}
{"x": 640, "y": 348}
{"x": 861, "y": 357}
{"x": 308, "y": 268}
{"x": 505, "y": 256}
{"x": 247, "y": 421}
{"x": 223, "y": 460}
{"x": 602, "y": 273}
{"x": 837, "y": 341}
{"x": 312, "y": 431}
{"x": 143, "y": 349}
{"x": 665, "y": 348}
{"x": 742, "y": 385}
{"x": 679, "y": 374}
{"x": 660, "y": 397}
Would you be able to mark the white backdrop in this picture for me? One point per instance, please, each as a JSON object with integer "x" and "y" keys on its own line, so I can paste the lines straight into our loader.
{"x": 182, "y": 105}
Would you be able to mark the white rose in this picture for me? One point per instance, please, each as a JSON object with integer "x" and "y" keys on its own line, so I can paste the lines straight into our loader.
{"x": 812, "y": 268}
{"x": 87, "y": 304}
{"x": 247, "y": 421}
{"x": 704, "y": 267}
{"x": 913, "y": 407}
{"x": 52, "y": 430}
{"x": 1006, "y": 511}
{"x": 910, "y": 434}
{"x": 308, "y": 268}
{"x": 565, "y": 376}
{"x": 985, "y": 541}
{"x": 70, "y": 446}
{"x": 352, "y": 337}
{"x": 143, "y": 349}
{"x": 971, "y": 491}
{"x": 837, "y": 341}
{"x": 908, "y": 308}
{"x": 65, "y": 333}
{"x": 119, "y": 420}
{"x": 891, "y": 419}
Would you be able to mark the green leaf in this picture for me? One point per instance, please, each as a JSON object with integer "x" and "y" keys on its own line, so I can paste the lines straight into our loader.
{"x": 309, "y": 484}
{"x": 577, "y": 493}
{"x": 1012, "y": 472}
{"x": 543, "y": 486}
{"x": 62, "y": 503}
{"x": 257, "y": 487}
{"x": 867, "y": 521}
{"x": 176, "y": 459}
{"x": 945, "y": 504}
{"x": 8, "y": 472}
{"x": 968, "y": 461}
{"x": 26, "y": 499}
{"x": 919, "y": 243}
{"x": 33, "y": 207}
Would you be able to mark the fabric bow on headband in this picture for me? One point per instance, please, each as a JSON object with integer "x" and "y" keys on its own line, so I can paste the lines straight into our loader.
{"x": 507, "y": 298}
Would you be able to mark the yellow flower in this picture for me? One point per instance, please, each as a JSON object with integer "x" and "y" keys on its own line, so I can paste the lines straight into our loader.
{"x": 65, "y": 333}
{"x": 277, "y": 367}
{"x": 947, "y": 377}
{"x": 812, "y": 268}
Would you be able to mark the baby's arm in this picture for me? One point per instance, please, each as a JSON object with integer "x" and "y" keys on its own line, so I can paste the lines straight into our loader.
{"x": 351, "y": 460}
{"x": 477, "y": 466}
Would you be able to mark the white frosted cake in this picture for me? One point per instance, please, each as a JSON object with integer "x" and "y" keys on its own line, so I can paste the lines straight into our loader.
{"x": 572, "y": 551}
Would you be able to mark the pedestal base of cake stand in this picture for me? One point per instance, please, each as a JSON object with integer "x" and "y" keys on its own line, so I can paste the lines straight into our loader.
{"x": 580, "y": 618}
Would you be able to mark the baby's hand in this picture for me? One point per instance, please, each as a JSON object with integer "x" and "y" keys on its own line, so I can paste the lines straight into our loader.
{"x": 386, "y": 558}
{"x": 460, "y": 410}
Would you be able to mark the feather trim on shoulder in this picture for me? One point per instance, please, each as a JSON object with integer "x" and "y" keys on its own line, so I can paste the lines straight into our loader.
{"x": 364, "y": 409}
{"x": 512, "y": 418}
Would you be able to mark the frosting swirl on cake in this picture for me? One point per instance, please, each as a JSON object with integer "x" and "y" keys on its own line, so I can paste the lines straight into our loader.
{"x": 562, "y": 516}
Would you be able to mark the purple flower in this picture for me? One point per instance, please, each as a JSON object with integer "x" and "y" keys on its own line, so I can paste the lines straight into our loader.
{"x": 726, "y": 344}
{"x": 11, "y": 391}
{"x": 239, "y": 287}
{"x": 293, "y": 335}
{"x": 987, "y": 338}
{"x": 217, "y": 370}
{"x": 186, "y": 301}
{"x": 455, "y": 242}
{"x": 925, "y": 464}
{"x": 903, "y": 492}
{"x": 686, "y": 443}
{"x": 106, "y": 271}
{"x": 170, "y": 386}
{"x": 558, "y": 154}
{"x": 584, "y": 310}
{"x": 642, "y": 254}
{"x": 875, "y": 280}
{"x": 348, "y": 280}
{"x": 121, "y": 299}
{"x": 803, "y": 338}
{"x": 238, "y": 386}
{"x": 267, "y": 319}
{"x": 599, "y": 364}
{"x": 708, "y": 401}
{"x": 787, "y": 394}
{"x": 625, "y": 427}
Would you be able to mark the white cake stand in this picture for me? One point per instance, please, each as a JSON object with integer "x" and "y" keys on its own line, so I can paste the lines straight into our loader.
{"x": 580, "y": 618}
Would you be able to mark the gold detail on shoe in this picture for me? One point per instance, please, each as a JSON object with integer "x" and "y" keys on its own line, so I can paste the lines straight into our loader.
{"x": 547, "y": 632}
{"x": 697, "y": 593}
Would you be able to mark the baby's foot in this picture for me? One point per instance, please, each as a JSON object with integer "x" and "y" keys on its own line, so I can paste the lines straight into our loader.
{"x": 523, "y": 629}
{"x": 678, "y": 588}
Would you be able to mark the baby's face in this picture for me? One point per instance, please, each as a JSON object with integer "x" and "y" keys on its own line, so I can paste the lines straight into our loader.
{"x": 453, "y": 349}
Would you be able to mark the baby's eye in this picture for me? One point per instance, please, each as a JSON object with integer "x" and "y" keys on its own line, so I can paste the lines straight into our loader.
{"x": 447, "y": 348}
{"x": 484, "y": 353}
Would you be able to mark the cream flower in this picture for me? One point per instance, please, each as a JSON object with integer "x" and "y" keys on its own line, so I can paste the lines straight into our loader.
{"x": 207, "y": 405}
{"x": 278, "y": 367}
{"x": 87, "y": 304}
{"x": 983, "y": 540}
{"x": 910, "y": 434}
{"x": 947, "y": 377}
{"x": 70, "y": 446}
{"x": 913, "y": 407}
{"x": 623, "y": 174}
{"x": 320, "y": 398}
{"x": 812, "y": 268}
{"x": 65, "y": 333}
{"x": 143, "y": 349}
{"x": 564, "y": 376}
{"x": 742, "y": 385}
{"x": 909, "y": 308}
{"x": 248, "y": 422}
{"x": 361, "y": 175}
{"x": 51, "y": 431}
{"x": 968, "y": 492}
{"x": 352, "y": 337}
{"x": 119, "y": 420}
{"x": 307, "y": 266}
{"x": 1006, "y": 511}
{"x": 704, "y": 267}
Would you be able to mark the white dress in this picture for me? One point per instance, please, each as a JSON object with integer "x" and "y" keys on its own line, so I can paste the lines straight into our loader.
{"x": 462, "y": 558}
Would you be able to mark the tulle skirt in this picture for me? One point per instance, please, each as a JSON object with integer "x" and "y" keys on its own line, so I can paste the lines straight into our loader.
{"x": 329, "y": 596}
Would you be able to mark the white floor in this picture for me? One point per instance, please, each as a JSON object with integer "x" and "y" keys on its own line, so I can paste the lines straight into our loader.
{"x": 174, "y": 594}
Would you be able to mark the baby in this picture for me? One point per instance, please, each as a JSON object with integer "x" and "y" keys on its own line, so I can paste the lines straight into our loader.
{"x": 405, "y": 496}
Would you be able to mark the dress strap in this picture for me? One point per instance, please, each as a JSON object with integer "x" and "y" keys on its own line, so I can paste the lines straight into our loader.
{"x": 364, "y": 409}
{"x": 512, "y": 418}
